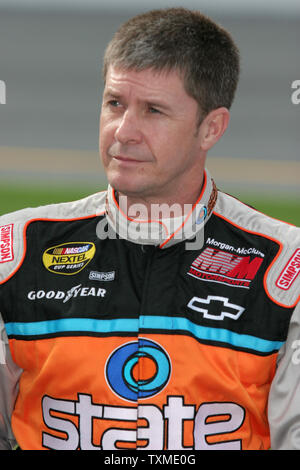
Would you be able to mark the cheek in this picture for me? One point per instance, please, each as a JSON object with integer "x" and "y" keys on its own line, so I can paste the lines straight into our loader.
{"x": 170, "y": 148}
{"x": 106, "y": 135}
{"x": 179, "y": 154}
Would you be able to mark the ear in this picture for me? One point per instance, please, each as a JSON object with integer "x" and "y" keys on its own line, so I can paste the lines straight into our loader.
{"x": 213, "y": 127}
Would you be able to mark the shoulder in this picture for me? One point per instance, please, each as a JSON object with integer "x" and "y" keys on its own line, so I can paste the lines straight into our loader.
{"x": 13, "y": 226}
{"x": 281, "y": 280}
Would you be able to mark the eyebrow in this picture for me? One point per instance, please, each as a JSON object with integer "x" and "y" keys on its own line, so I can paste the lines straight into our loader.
{"x": 158, "y": 104}
{"x": 110, "y": 93}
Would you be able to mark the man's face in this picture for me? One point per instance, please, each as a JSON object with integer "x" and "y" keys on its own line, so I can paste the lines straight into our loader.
{"x": 149, "y": 144}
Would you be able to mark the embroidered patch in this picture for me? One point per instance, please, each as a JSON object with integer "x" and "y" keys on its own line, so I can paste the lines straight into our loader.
{"x": 290, "y": 272}
{"x": 6, "y": 243}
{"x": 102, "y": 276}
{"x": 68, "y": 258}
{"x": 213, "y": 265}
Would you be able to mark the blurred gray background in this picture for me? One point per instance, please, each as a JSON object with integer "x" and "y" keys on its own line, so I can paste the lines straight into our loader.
{"x": 50, "y": 59}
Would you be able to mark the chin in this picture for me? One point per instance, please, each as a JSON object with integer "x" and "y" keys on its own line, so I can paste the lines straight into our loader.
{"x": 123, "y": 185}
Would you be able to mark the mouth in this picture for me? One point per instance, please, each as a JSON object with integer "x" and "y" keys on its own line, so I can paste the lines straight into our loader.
{"x": 123, "y": 159}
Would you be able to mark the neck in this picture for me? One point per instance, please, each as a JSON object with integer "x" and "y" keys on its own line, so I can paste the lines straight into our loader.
{"x": 152, "y": 207}
{"x": 134, "y": 224}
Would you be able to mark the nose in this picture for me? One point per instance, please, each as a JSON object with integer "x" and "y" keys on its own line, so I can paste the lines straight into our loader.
{"x": 128, "y": 130}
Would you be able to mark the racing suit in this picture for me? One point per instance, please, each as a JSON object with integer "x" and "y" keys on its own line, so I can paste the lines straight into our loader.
{"x": 113, "y": 340}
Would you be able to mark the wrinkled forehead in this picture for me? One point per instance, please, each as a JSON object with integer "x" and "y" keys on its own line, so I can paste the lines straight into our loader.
{"x": 152, "y": 72}
{"x": 147, "y": 80}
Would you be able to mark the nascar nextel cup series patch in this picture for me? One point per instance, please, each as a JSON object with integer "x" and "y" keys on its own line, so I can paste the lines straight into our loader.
{"x": 68, "y": 258}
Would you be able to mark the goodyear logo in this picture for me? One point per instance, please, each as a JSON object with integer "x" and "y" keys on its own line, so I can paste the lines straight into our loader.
{"x": 68, "y": 258}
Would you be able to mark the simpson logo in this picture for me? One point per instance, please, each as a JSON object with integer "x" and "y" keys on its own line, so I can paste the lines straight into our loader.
{"x": 68, "y": 258}
{"x": 6, "y": 243}
{"x": 219, "y": 266}
{"x": 102, "y": 276}
{"x": 290, "y": 272}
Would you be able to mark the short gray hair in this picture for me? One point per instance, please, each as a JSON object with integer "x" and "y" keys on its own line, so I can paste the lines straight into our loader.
{"x": 180, "y": 39}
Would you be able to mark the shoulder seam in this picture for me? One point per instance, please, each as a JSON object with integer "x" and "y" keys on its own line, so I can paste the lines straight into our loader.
{"x": 284, "y": 236}
{"x": 86, "y": 208}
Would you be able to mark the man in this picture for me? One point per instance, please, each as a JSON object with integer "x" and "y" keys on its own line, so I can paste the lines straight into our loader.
{"x": 161, "y": 313}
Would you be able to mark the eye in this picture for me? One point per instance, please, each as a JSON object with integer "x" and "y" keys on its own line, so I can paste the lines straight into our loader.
{"x": 153, "y": 110}
{"x": 113, "y": 103}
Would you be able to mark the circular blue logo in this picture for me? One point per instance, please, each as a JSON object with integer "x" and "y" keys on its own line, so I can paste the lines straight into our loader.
{"x": 202, "y": 215}
{"x": 138, "y": 369}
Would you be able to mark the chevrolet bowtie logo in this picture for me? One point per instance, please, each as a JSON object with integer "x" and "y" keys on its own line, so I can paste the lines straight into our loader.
{"x": 215, "y": 307}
